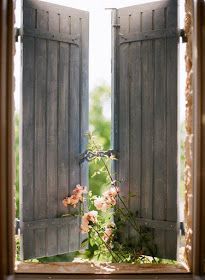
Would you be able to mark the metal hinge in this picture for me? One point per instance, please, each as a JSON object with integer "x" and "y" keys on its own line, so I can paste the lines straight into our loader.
{"x": 17, "y": 227}
{"x": 17, "y": 34}
{"x": 89, "y": 155}
{"x": 181, "y": 228}
{"x": 116, "y": 25}
{"x": 182, "y": 34}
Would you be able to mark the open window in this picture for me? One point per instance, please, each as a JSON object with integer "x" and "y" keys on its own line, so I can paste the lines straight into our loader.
{"x": 6, "y": 234}
{"x": 54, "y": 121}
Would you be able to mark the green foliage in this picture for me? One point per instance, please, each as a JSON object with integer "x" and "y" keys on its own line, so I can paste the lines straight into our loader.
{"x": 101, "y": 127}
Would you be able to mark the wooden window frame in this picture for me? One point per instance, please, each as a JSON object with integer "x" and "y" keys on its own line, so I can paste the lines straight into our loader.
{"x": 7, "y": 162}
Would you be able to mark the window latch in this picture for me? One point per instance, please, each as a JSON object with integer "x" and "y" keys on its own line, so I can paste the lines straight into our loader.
{"x": 89, "y": 155}
{"x": 17, "y": 34}
{"x": 182, "y": 34}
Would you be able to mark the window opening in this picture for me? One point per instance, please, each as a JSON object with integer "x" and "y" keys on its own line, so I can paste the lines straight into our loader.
{"x": 100, "y": 124}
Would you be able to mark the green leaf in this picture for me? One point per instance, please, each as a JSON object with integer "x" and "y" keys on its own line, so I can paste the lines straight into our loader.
{"x": 84, "y": 243}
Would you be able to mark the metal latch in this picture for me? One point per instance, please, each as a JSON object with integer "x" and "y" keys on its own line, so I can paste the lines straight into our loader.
{"x": 181, "y": 228}
{"x": 89, "y": 155}
{"x": 17, "y": 34}
{"x": 182, "y": 34}
{"x": 17, "y": 227}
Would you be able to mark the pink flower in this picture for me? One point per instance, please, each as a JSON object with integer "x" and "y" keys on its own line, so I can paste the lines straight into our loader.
{"x": 101, "y": 204}
{"x": 108, "y": 232}
{"x": 88, "y": 219}
{"x": 75, "y": 197}
{"x": 107, "y": 200}
{"x": 113, "y": 191}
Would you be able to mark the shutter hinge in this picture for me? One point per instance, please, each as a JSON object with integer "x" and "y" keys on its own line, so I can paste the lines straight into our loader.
{"x": 181, "y": 228}
{"x": 182, "y": 34}
{"x": 17, "y": 227}
{"x": 89, "y": 155}
{"x": 17, "y": 34}
{"x": 116, "y": 25}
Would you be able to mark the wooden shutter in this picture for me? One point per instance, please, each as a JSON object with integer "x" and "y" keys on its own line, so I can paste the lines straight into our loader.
{"x": 54, "y": 121}
{"x": 144, "y": 86}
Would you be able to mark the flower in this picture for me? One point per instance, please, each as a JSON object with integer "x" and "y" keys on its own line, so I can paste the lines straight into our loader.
{"x": 75, "y": 197}
{"x": 101, "y": 204}
{"x": 87, "y": 220}
{"x": 108, "y": 232}
{"x": 107, "y": 200}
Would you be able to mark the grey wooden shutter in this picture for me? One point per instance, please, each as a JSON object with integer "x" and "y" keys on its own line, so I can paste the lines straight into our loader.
{"x": 54, "y": 121}
{"x": 144, "y": 86}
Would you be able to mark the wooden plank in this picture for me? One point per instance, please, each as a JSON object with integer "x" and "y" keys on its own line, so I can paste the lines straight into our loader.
{"x": 160, "y": 145}
{"x": 149, "y": 35}
{"x": 40, "y": 193}
{"x": 65, "y": 38}
{"x": 147, "y": 129}
{"x": 75, "y": 129}
{"x": 158, "y": 224}
{"x": 63, "y": 141}
{"x": 135, "y": 129}
{"x": 171, "y": 139}
{"x": 52, "y": 152}
{"x": 115, "y": 92}
{"x": 27, "y": 144}
{"x": 52, "y": 222}
{"x": 124, "y": 92}
{"x": 84, "y": 105}
{"x": 130, "y": 10}
{"x": 100, "y": 268}
{"x": 50, "y": 7}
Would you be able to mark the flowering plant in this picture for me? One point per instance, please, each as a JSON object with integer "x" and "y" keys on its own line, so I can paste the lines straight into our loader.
{"x": 108, "y": 219}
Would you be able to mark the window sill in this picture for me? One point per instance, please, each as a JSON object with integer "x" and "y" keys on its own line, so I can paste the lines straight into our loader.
{"x": 98, "y": 268}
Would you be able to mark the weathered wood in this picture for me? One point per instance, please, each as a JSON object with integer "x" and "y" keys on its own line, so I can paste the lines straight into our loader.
{"x": 65, "y": 38}
{"x": 144, "y": 119}
{"x": 75, "y": 129}
{"x": 40, "y": 166}
{"x": 171, "y": 207}
{"x": 50, "y": 222}
{"x": 149, "y": 35}
{"x": 52, "y": 152}
{"x": 27, "y": 142}
{"x": 55, "y": 68}
{"x": 99, "y": 268}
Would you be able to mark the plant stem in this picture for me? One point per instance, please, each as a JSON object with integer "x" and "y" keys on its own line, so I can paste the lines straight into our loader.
{"x": 109, "y": 249}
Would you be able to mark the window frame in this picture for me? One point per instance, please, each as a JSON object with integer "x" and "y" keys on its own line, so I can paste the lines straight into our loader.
{"x": 7, "y": 162}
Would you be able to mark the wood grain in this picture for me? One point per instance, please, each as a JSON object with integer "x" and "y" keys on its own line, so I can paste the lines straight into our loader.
{"x": 144, "y": 124}
{"x": 54, "y": 120}
{"x": 98, "y": 268}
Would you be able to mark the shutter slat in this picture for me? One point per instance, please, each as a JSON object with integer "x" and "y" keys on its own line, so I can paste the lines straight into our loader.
{"x": 54, "y": 55}
{"x": 27, "y": 141}
{"x": 135, "y": 124}
{"x": 171, "y": 140}
{"x": 144, "y": 86}
{"x": 40, "y": 190}
{"x": 52, "y": 86}
{"x": 63, "y": 141}
{"x": 75, "y": 125}
{"x": 147, "y": 129}
{"x": 160, "y": 142}
{"x": 124, "y": 118}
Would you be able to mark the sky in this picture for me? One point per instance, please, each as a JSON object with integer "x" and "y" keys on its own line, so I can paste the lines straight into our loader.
{"x": 99, "y": 41}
